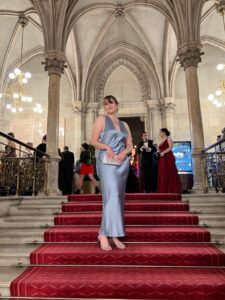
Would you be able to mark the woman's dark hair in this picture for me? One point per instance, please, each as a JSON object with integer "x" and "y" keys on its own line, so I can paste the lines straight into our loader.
{"x": 166, "y": 131}
{"x": 85, "y": 146}
{"x": 110, "y": 99}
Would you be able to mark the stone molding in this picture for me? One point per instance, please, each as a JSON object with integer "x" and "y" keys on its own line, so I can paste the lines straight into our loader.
{"x": 167, "y": 104}
{"x": 132, "y": 65}
{"x": 190, "y": 55}
{"x": 80, "y": 108}
{"x": 54, "y": 62}
{"x": 119, "y": 12}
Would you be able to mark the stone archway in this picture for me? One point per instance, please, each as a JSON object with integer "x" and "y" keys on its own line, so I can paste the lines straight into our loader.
{"x": 132, "y": 65}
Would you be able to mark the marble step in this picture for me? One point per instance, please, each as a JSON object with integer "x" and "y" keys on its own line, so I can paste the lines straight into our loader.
{"x": 204, "y": 198}
{"x": 27, "y": 224}
{"x": 21, "y": 235}
{"x": 43, "y": 202}
{"x": 35, "y": 210}
{"x": 7, "y": 274}
{"x": 55, "y": 209}
{"x": 214, "y": 208}
{"x": 15, "y": 255}
{"x": 212, "y": 219}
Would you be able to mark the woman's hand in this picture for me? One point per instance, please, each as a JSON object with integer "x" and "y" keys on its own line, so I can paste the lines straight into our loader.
{"x": 121, "y": 155}
{"x": 162, "y": 154}
{"x": 109, "y": 152}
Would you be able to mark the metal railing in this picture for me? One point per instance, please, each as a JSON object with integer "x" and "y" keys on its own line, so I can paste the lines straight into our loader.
{"x": 215, "y": 165}
{"x": 25, "y": 172}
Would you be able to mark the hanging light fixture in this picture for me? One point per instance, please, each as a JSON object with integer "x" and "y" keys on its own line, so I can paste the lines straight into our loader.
{"x": 17, "y": 93}
{"x": 218, "y": 96}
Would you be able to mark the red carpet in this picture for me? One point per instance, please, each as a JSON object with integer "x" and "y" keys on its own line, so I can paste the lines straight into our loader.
{"x": 119, "y": 282}
{"x": 134, "y": 234}
{"x": 129, "y": 206}
{"x": 134, "y": 254}
{"x": 168, "y": 256}
{"x": 130, "y": 219}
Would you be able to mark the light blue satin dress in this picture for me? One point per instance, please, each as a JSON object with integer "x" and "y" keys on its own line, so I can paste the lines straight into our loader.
{"x": 113, "y": 181}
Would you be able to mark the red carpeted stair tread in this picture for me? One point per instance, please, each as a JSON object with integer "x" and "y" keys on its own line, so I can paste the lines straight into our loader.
{"x": 134, "y": 234}
{"x": 134, "y": 254}
{"x": 129, "y": 206}
{"x": 85, "y": 276}
{"x": 138, "y": 196}
{"x": 131, "y": 218}
{"x": 121, "y": 282}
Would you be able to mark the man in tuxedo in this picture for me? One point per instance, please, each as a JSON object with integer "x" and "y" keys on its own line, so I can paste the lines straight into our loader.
{"x": 148, "y": 163}
{"x": 68, "y": 166}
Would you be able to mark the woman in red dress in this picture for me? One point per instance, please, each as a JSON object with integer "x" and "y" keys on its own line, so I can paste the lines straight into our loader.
{"x": 168, "y": 178}
{"x": 86, "y": 168}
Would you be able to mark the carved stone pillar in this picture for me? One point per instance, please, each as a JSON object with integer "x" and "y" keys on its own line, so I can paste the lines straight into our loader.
{"x": 189, "y": 57}
{"x": 155, "y": 119}
{"x": 90, "y": 118}
{"x": 54, "y": 65}
{"x": 80, "y": 112}
{"x": 168, "y": 109}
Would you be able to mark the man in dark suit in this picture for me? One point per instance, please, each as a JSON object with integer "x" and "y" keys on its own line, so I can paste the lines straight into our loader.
{"x": 42, "y": 148}
{"x": 148, "y": 165}
{"x": 68, "y": 165}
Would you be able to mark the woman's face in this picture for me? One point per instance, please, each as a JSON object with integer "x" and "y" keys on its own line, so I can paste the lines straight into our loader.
{"x": 110, "y": 108}
{"x": 162, "y": 134}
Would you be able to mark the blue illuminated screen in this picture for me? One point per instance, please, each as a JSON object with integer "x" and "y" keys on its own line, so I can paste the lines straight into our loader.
{"x": 182, "y": 153}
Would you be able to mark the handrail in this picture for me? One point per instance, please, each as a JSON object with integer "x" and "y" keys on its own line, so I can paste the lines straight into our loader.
{"x": 22, "y": 175}
{"x": 214, "y": 145}
{"x": 8, "y": 137}
{"x": 214, "y": 165}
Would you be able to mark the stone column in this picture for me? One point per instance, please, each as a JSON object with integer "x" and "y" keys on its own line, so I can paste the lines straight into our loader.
{"x": 80, "y": 111}
{"x": 90, "y": 118}
{"x": 168, "y": 109}
{"x": 155, "y": 119}
{"x": 54, "y": 65}
{"x": 189, "y": 57}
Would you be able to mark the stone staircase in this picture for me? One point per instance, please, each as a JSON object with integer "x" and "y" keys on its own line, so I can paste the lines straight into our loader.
{"x": 21, "y": 231}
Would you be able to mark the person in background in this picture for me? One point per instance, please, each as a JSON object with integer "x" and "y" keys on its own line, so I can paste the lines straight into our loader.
{"x": 68, "y": 162}
{"x": 168, "y": 178}
{"x": 42, "y": 147}
{"x": 148, "y": 167}
{"x": 10, "y": 148}
{"x": 86, "y": 168}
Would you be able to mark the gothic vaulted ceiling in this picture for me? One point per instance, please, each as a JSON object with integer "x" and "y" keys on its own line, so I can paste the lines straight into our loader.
{"x": 100, "y": 32}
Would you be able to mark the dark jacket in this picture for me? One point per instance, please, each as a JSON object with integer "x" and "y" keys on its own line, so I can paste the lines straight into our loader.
{"x": 85, "y": 157}
{"x": 147, "y": 156}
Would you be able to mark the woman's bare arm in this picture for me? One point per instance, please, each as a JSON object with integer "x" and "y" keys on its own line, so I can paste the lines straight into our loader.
{"x": 170, "y": 142}
{"x": 129, "y": 143}
{"x": 97, "y": 129}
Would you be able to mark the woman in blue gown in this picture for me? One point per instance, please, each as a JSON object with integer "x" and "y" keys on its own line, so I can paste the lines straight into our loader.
{"x": 113, "y": 140}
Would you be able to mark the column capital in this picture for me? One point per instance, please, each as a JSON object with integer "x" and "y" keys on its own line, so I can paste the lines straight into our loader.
{"x": 167, "y": 104}
{"x": 153, "y": 104}
{"x": 80, "y": 107}
{"x": 189, "y": 55}
{"x": 54, "y": 62}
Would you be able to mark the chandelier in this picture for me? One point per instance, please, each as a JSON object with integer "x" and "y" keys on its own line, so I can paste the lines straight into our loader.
{"x": 218, "y": 96}
{"x": 17, "y": 93}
